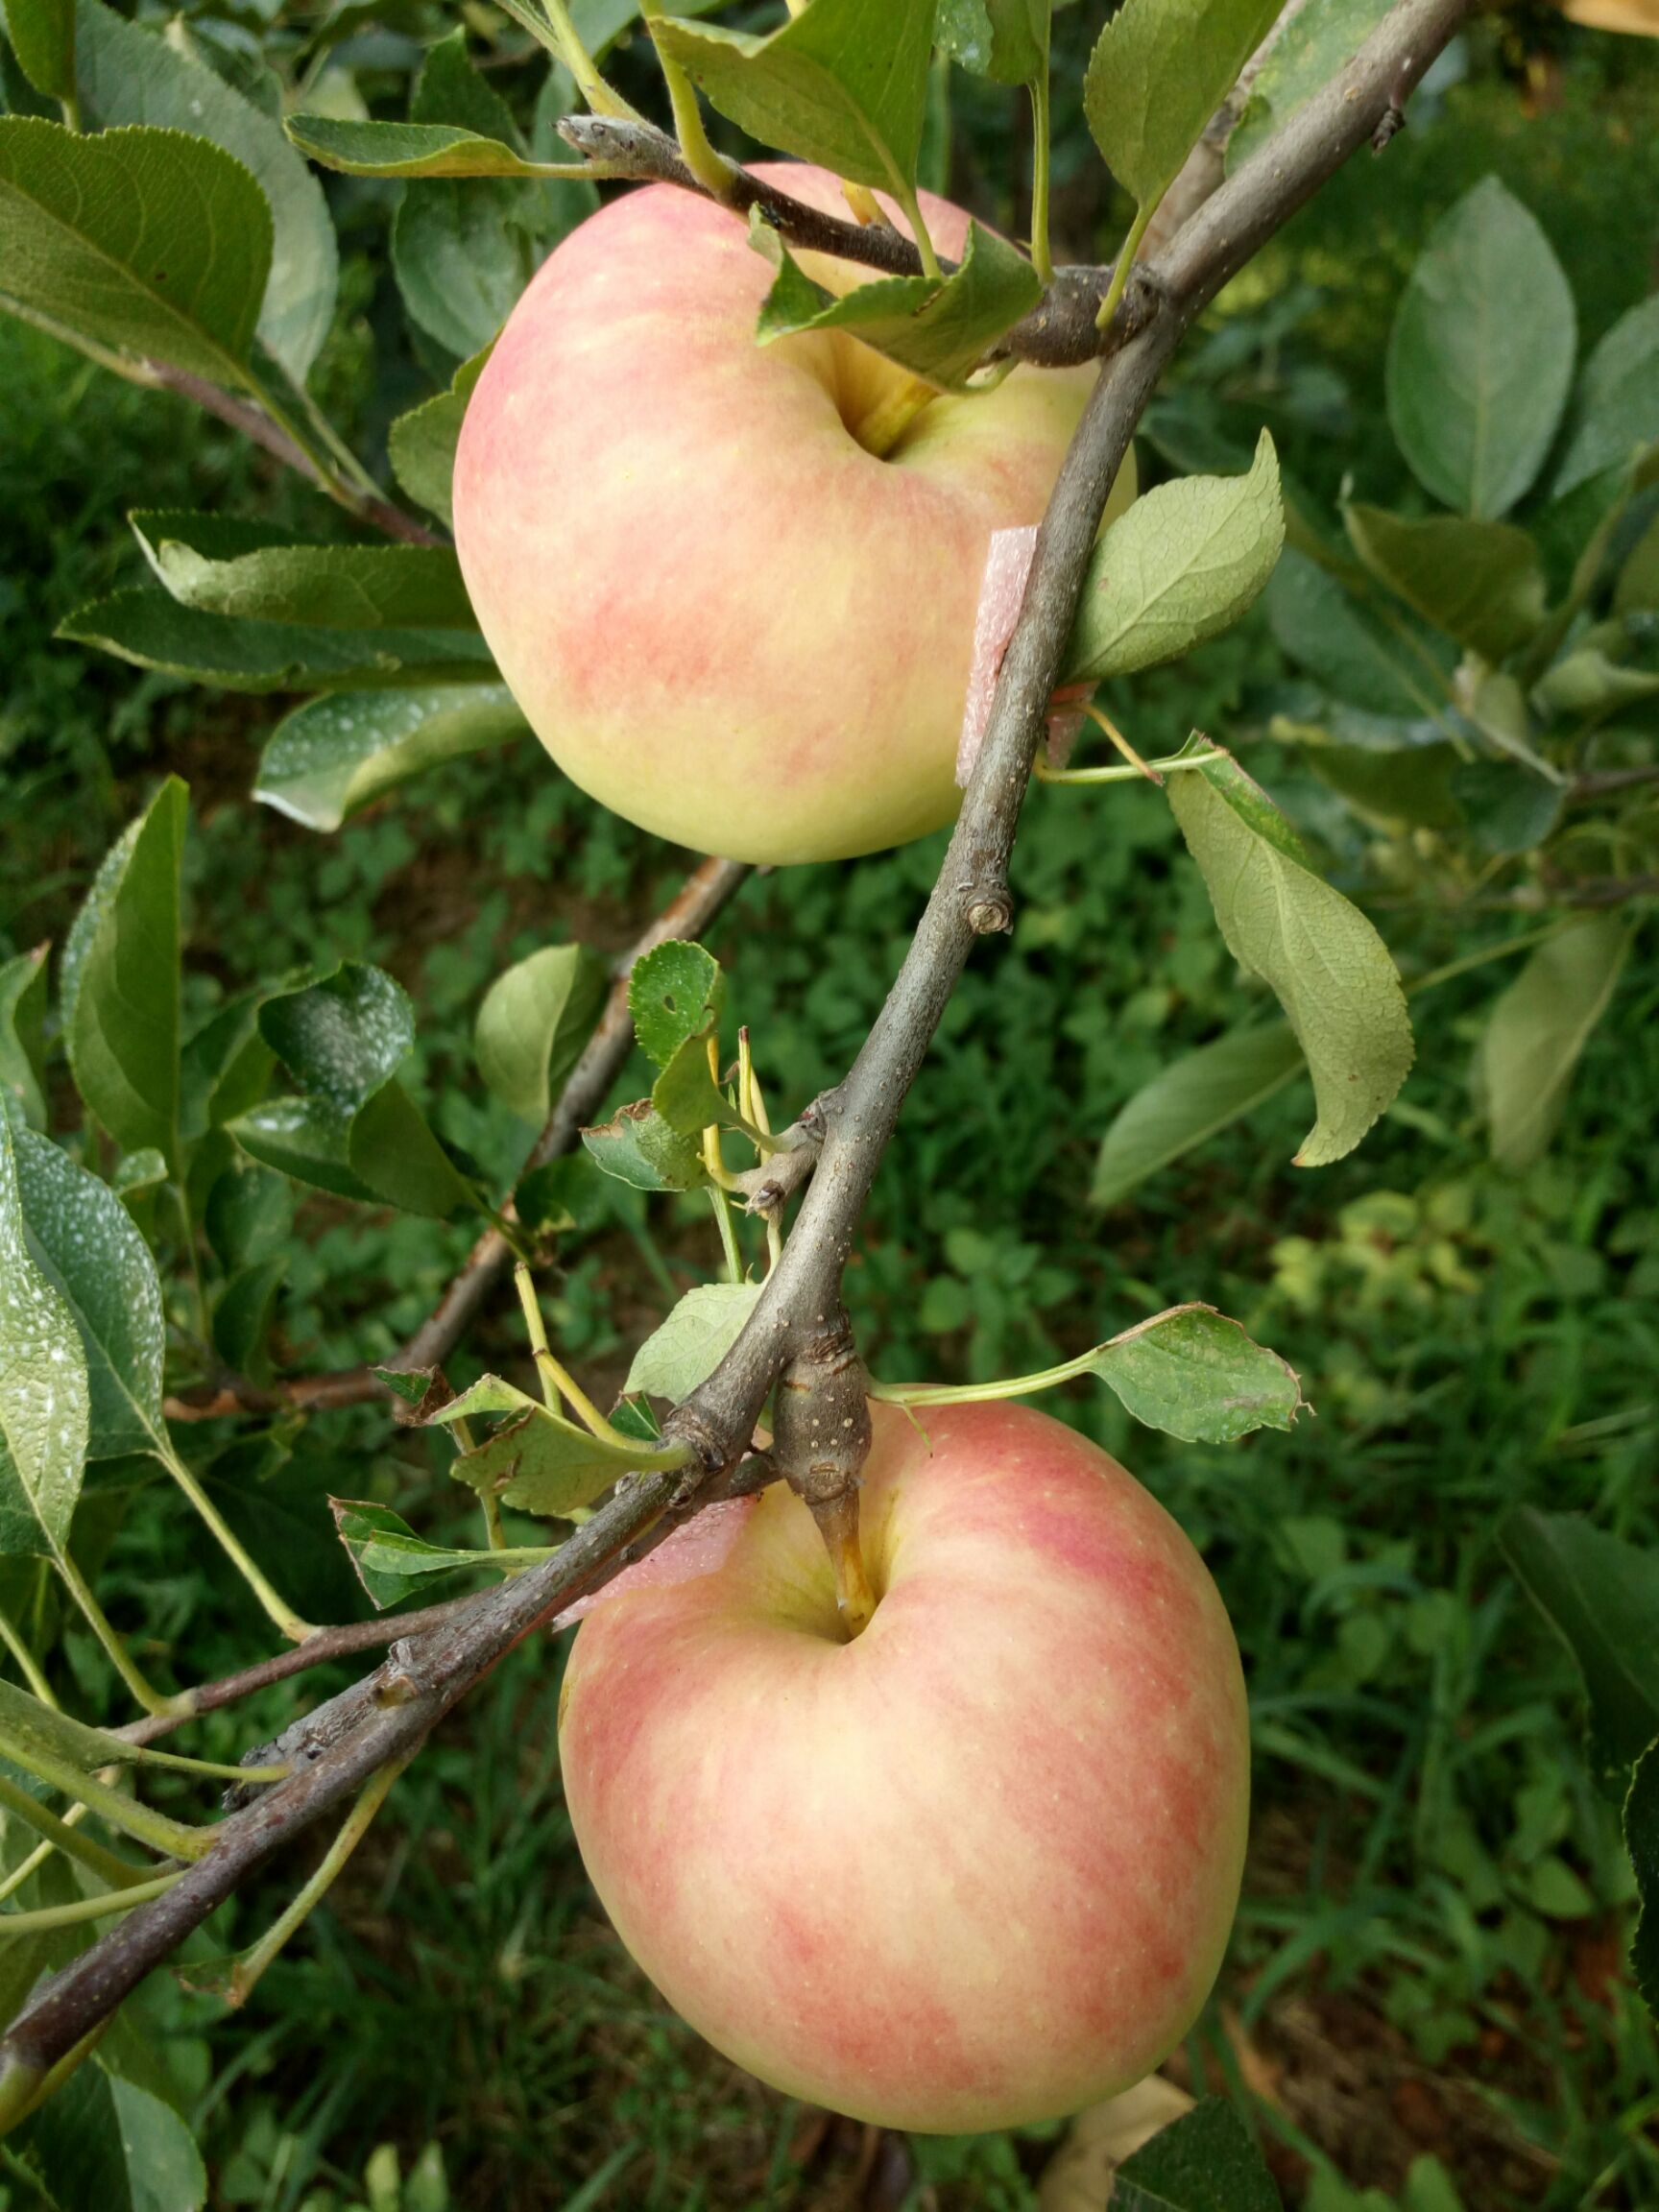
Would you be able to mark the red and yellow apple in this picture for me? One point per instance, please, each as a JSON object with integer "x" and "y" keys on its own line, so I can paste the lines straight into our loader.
{"x": 976, "y": 1866}
{"x": 723, "y": 616}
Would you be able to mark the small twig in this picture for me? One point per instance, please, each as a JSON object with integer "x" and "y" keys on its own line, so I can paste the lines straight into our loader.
{"x": 1603, "y": 782}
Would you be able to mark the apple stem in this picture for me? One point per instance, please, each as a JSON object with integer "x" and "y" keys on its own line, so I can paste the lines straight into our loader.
{"x": 838, "y": 1520}
{"x": 887, "y": 421}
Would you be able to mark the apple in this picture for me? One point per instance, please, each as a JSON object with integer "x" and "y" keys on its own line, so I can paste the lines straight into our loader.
{"x": 972, "y": 1869}
{"x": 723, "y": 616}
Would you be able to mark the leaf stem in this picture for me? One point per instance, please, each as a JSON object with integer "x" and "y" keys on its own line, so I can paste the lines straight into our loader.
{"x": 1122, "y": 267}
{"x": 564, "y": 1384}
{"x": 594, "y": 91}
{"x": 907, "y": 196}
{"x": 28, "y": 1666}
{"x": 276, "y": 1609}
{"x": 713, "y": 172}
{"x": 721, "y": 1206}
{"x": 351, "y": 1833}
{"x": 48, "y": 1916}
{"x": 1139, "y": 773}
{"x": 147, "y": 1694}
{"x": 1042, "y": 259}
{"x": 60, "y": 1835}
{"x": 983, "y": 1393}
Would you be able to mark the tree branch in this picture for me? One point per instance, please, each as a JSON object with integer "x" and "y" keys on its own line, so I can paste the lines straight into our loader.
{"x": 387, "y": 1715}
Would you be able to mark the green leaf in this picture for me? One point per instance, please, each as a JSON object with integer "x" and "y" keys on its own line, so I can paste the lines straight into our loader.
{"x": 1616, "y": 413}
{"x": 249, "y": 1215}
{"x": 1602, "y": 1597}
{"x": 639, "y": 1149}
{"x": 675, "y": 994}
{"x": 1322, "y": 630}
{"x": 1536, "y": 1032}
{"x": 207, "y": 563}
{"x": 686, "y": 1095}
{"x": 1188, "y": 1102}
{"x": 1205, "y": 2162}
{"x": 1196, "y": 1375}
{"x": 538, "y": 1461}
{"x": 1480, "y": 356}
{"x": 1327, "y": 966}
{"x": 844, "y": 84}
{"x": 307, "y": 1138}
{"x": 152, "y": 630}
{"x": 394, "y": 1151}
{"x": 1412, "y": 787}
{"x": 121, "y": 985}
{"x": 1506, "y": 808}
{"x": 224, "y": 1067}
{"x": 23, "y": 988}
{"x": 132, "y": 75}
{"x": 1638, "y": 590}
{"x": 939, "y": 330}
{"x": 1159, "y": 71}
{"x": 464, "y": 249}
{"x": 694, "y": 1340}
{"x": 331, "y": 757}
{"x": 1481, "y": 582}
{"x": 1181, "y": 564}
{"x": 147, "y": 241}
{"x": 416, "y": 150}
{"x": 102, "y": 2144}
{"x": 1321, "y": 38}
{"x": 86, "y": 1246}
{"x": 242, "y": 1315}
{"x": 42, "y": 35}
{"x": 422, "y": 444}
{"x": 1642, "y": 1841}
{"x": 1006, "y": 41}
{"x": 45, "y": 1398}
{"x": 533, "y": 1024}
{"x": 388, "y": 1556}
{"x": 341, "y": 1038}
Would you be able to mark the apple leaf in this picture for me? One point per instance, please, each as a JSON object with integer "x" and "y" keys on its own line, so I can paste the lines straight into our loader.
{"x": 418, "y": 150}
{"x": 388, "y": 1556}
{"x": 1642, "y": 1841}
{"x": 121, "y": 981}
{"x": 1179, "y": 566}
{"x": 1536, "y": 1032}
{"x": 45, "y": 1394}
{"x": 251, "y": 573}
{"x": 152, "y": 630}
{"x": 532, "y": 1023}
{"x": 1329, "y": 969}
{"x": 131, "y": 74}
{"x": 332, "y": 755}
{"x": 1474, "y": 414}
{"x": 675, "y": 994}
{"x": 84, "y": 1241}
{"x": 1205, "y": 2162}
{"x": 940, "y": 330}
{"x": 686, "y": 1095}
{"x": 42, "y": 35}
{"x": 639, "y": 1149}
{"x": 694, "y": 1340}
{"x": 1006, "y": 41}
{"x": 104, "y": 2144}
{"x": 1602, "y": 1597}
{"x": 1638, "y": 587}
{"x": 1159, "y": 71}
{"x": 353, "y": 1129}
{"x": 537, "y": 1461}
{"x": 1482, "y": 583}
{"x": 421, "y": 442}
{"x": 1322, "y": 630}
{"x": 843, "y": 83}
{"x": 152, "y": 242}
{"x": 1195, "y": 1374}
{"x": 1189, "y": 1101}
{"x": 23, "y": 992}
{"x": 1616, "y": 410}
{"x": 1319, "y": 39}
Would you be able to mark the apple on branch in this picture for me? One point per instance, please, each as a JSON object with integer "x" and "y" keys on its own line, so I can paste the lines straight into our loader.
{"x": 975, "y": 1868}
{"x": 725, "y": 617}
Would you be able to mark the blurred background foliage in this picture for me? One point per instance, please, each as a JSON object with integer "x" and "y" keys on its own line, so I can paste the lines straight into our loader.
{"x": 1427, "y": 2003}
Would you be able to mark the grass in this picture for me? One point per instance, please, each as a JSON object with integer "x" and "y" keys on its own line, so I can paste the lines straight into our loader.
{"x": 1428, "y": 1963}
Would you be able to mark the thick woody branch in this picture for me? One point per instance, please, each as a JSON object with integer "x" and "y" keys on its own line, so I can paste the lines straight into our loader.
{"x": 797, "y": 1325}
